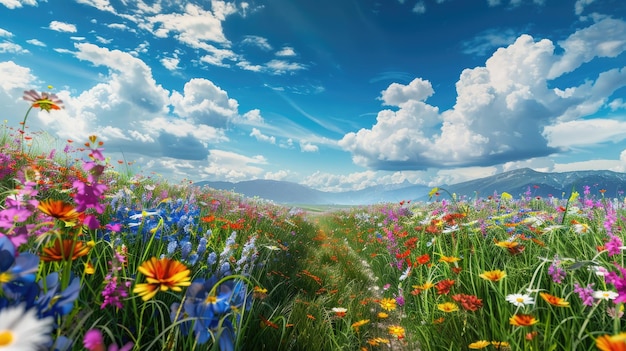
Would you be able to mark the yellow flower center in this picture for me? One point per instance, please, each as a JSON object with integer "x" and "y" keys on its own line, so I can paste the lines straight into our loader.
{"x": 6, "y": 337}
{"x": 5, "y": 277}
{"x": 520, "y": 299}
{"x": 211, "y": 299}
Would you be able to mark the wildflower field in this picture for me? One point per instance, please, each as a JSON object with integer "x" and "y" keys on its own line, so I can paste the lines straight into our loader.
{"x": 97, "y": 259}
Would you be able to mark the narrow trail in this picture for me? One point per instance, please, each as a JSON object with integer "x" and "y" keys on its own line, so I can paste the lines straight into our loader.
{"x": 323, "y": 223}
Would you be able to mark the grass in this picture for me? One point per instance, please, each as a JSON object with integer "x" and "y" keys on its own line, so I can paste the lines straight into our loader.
{"x": 230, "y": 273}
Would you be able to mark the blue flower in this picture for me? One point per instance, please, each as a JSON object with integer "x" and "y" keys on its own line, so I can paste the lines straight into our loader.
{"x": 17, "y": 274}
{"x": 55, "y": 302}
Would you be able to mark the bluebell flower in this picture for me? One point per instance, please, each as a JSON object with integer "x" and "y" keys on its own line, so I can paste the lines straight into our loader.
{"x": 201, "y": 246}
{"x": 212, "y": 259}
{"x": 185, "y": 249}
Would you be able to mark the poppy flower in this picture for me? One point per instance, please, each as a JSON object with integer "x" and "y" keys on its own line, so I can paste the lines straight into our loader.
{"x": 163, "y": 274}
{"x": 64, "y": 250}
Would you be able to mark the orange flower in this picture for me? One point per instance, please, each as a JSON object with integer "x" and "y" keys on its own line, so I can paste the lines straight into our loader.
{"x": 60, "y": 210}
{"x": 163, "y": 274}
{"x": 443, "y": 287}
{"x": 43, "y": 101}
{"x": 449, "y": 259}
{"x": 554, "y": 300}
{"x": 340, "y": 312}
{"x": 362, "y": 322}
{"x": 396, "y": 331}
{"x": 507, "y": 244}
{"x": 523, "y": 320}
{"x": 423, "y": 259}
{"x": 64, "y": 250}
{"x": 494, "y": 275}
{"x": 612, "y": 342}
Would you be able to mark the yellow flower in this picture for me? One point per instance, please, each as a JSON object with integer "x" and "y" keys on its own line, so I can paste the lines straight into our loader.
{"x": 424, "y": 286}
{"x": 449, "y": 259}
{"x": 377, "y": 341}
{"x": 388, "y": 304}
{"x": 506, "y": 196}
{"x": 163, "y": 274}
{"x": 507, "y": 244}
{"x": 494, "y": 275}
{"x": 432, "y": 192}
{"x": 396, "y": 331}
{"x": 612, "y": 342}
{"x": 554, "y": 300}
{"x": 481, "y": 344}
{"x": 382, "y": 315}
{"x": 523, "y": 320}
{"x": 500, "y": 344}
{"x": 447, "y": 307}
{"x": 89, "y": 268}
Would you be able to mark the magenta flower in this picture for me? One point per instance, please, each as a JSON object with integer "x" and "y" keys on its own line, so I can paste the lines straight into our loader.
{"x": 614, "y": 245}
{"x": 585, "y": 294}
{"x": 619, "y": 282}
{"x": 93, "y": 341}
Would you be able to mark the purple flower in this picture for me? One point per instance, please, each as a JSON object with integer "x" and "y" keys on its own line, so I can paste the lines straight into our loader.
{"x": 113, "y": 292}
{"x": 585, "y": 294}
{"x": 619, "y": 282}
{"x": 614, "y": 245}
{"x": 557, "y": 273}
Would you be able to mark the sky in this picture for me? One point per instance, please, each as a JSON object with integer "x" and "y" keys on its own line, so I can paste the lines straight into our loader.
{"x": 335, "y": 95}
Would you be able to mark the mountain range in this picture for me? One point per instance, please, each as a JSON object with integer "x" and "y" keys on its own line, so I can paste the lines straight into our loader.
{"x": 518, "y": 183}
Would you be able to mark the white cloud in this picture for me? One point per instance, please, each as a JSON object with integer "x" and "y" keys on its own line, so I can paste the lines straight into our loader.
{"x": 62, "y": 27}
{"x": 485, "y": 42}
{"x": 171, "y": 63}
{"x": 617, "y": 104}
{"x": 205, "y": 103}
{"x": 252, "y": 117}
{"x": 286, "y": 51}
{"x": 5, "y": 33}
{"x": 501, "y": 109}
{"x": 13, "y": 4}
{"x": 102, "y": 5}
{"x": 419, "y": 7}
{"x": 14, "y": 77}
{"x": 257, "y": 41}
{"x": 579, "y": 6}
{"x": 308, "y": 147}
{"x": 36, "y": 42}
{"x": 11, "y": 48}
{"x": 606, "y": 38}
{"x": 279, "y": 67}
{"x": 278, "y": 175}
{"x": 577, "y": 133}
{"x": 262, "y": 137}
{"x": 103, "y": 40}
{"x": 232, "y": 166}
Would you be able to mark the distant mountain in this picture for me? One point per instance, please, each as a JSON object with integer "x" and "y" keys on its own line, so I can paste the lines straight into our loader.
{"x": 292, "y": 193}
{"x": 516, "y": 183}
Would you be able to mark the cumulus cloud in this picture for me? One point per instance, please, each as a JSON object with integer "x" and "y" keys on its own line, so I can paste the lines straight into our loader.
{"x": 14, "y": 77}
{"x": 576, "y": 133}
{"x": 36, "y": 42}
{"x": 11, "y": 48}
{"x": 255, "y": 40}
{"x": 504, "y": 111}
{"x": 205, "y": 103}
{"x": 232, "y": 166}
{"x": 62, "y": 27}
{"x": 171, "y": 63}
{"x": 306, "y": 146}
{"x": 286, "y": 51}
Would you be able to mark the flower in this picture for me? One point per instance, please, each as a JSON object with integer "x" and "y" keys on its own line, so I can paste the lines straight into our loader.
{"x": 494, "y": 275}
{"x": 93, "y": 341}
{"x": 481, "y": 344}
{"x": 520, "y": 300}
{"x": 447, "y": 307}
{"x": 382, "y": 315}
{"x": 605, "y": 295}
{"x": 388, "y": 304}
{"x": 64, "y": 250}
{"x": 612, "y": 342}
{"x": 449, "y": 259}
{"x": 500, "y": 344}
{"x": 339, "y": 311}
{"x": 423, "y": 259}
{"x": 44, "y": 101}
{"x": 163, "y": 274}
{"x": 523, "y": 320}
{"x": 554, "y": 300}
{"x": 20, "y": 329}
{"x": 396, "y": 331}
{"x": 443, "y": 287}
{"x": 60, "y": 210}
{"x": 362, "y": 322}
{"x": 585, "y": 293}
{"x": 468, "y": 302}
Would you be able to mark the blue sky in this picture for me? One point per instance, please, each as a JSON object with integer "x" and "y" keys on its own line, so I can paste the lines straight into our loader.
{"x": 336, "y": 95}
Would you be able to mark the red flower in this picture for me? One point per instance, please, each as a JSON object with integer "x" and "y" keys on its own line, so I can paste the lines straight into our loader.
{"x": 468, "y": 302}
{"x": 423, "y": 259}
{"x": 443, "y": 287}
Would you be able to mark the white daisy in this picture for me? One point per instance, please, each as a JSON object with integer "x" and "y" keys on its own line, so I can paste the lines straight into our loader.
{"x": 22, "y": 330}
{"x": 605, "y": 295}
{"x": 520, "y": 300}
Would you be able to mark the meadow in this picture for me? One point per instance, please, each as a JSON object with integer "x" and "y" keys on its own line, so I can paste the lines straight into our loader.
{"x": 94, "y": 256}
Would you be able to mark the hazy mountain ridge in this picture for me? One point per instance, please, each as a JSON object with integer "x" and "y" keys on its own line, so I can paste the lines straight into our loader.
{"x": 516, "y": 183}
